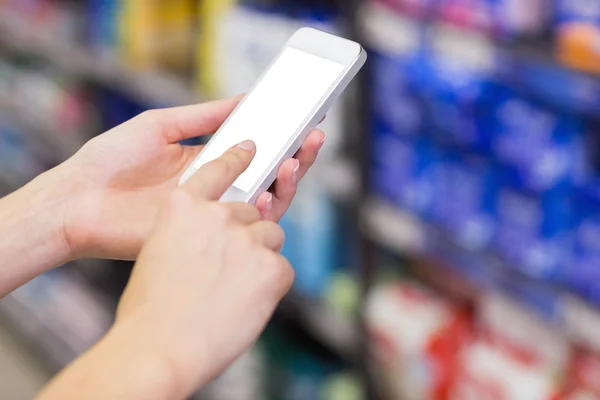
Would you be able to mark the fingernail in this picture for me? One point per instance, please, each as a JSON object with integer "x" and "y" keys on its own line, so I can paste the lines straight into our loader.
{"x": 321, "y": 144}
{"x": 295, "y": 172}
{"x": 247, "y": 145}
{"x": 270, "y": 202}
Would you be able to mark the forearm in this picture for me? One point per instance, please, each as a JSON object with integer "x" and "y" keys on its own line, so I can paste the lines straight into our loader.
{"x": 32, "y": 238}
{"x": 123, "y": 365}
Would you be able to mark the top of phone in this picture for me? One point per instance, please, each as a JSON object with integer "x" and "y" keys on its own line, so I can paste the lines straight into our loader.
{"x": 326, "y": 45}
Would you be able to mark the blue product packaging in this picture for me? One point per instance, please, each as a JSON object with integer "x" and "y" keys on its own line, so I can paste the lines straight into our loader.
{"x": 543, "y": 150}
{"x": 421, "y": 191}
{"x": 395, "y": 104}
{"x": 405, "y": 172}
{"x": 566, "y": 11}
{"x": 465, "y": 201}
{"x": 392, "y": 165}
{"x": 103, "y": 24}
{"x": 396, "y": 69}
{"x": 459, "y": 87}
{"x": 116, "y": 108}
{"x": 556, "y": 85}
{"x": 534, "y": 232}
{"x": 584, "y": 267}
{"x": 311, "y": 238}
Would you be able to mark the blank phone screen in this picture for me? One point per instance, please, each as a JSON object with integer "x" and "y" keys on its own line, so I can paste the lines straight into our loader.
{"x": 274, "y": 111}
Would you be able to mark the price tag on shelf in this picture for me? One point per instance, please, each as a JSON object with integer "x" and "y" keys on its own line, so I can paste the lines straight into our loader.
{"x": 394, "y": 228}
{"x": 462, "y": 48}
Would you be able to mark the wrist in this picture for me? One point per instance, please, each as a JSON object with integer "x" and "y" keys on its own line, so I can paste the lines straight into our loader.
{"x": 32, "y": 226}
{"x": 123, "y": 365}
{"x": 52, "y": 196}
{"x": 75, "y": 213}
{"x": 151, "y": 373}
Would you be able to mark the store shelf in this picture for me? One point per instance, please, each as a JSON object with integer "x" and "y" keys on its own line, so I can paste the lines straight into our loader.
{"x": 57, "y": 316}
{"x": 338, "y": 177}
{"x": 332, "y": 329}
{"x": 531, "y": 67}
{"x": 528, "y": 66}
{"x": 404, "y": 234}
{"x": 150, "y": 87}
{"x": 58, "y": 143}
{"x": 393, "y": 228}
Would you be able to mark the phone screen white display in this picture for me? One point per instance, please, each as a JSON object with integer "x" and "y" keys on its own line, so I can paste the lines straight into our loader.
{"x": 274, "y": 111}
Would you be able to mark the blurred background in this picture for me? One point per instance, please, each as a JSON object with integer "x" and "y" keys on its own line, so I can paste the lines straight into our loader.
{"x": 447, "y": 243}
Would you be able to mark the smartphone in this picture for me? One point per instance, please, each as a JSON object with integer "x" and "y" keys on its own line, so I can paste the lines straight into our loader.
{"x": 284, "y": 106}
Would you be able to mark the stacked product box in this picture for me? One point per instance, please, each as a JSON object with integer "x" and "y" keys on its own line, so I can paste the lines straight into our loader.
{"x": 513, "y": 355}
{"x": 157, "y": 34}
{"x": 494, "y": 168}
{"x": 429, "y": 346}
{"x": 542, "y": 161}
{"x": 510, "y": 177}
{"x": 584, "y": 267}
{"x": 416, "y": 337}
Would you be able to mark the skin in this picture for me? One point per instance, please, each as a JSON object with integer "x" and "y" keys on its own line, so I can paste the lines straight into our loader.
{"x": 102, "y": 202}
{"x": 197, "y": 299}
{"x": 208, "y": 275}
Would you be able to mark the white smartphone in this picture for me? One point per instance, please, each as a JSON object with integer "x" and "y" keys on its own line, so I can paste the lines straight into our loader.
{"x": 284, "y": 106}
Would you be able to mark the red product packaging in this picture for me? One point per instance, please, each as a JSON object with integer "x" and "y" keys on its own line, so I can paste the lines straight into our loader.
{"x": 584, "y": 376}
{"x": 416, "y": 337}
{"x": 516, "y": 356}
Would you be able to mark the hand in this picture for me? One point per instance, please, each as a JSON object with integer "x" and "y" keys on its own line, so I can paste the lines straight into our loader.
{"x": 209, "y": 277}
{"x": 122, "y": 176}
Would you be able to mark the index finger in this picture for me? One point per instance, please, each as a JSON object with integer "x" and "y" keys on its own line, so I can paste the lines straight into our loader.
{"x": 215, "y": 177}
{"x": 180, "y": 123}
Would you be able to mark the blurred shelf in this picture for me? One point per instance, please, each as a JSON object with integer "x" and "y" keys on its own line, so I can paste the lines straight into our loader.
{"x": 393, "y": 228}
{"x": 330, "y": 328}
{"x": 59, "y": 340}
{"x": 147, "y": 86}
{"x": 527, "y": 65}
{"x": 9, "y": 181}
{"x": 338, "y": 177}
{"x": 406, "y": 235}
{"x": 59, "y": 143}
{"x": 531, "y": 65}
{"x": 57, "y": 317}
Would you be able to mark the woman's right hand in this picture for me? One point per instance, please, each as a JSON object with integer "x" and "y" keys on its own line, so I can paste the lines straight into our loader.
{"x": 208, "y": 278}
